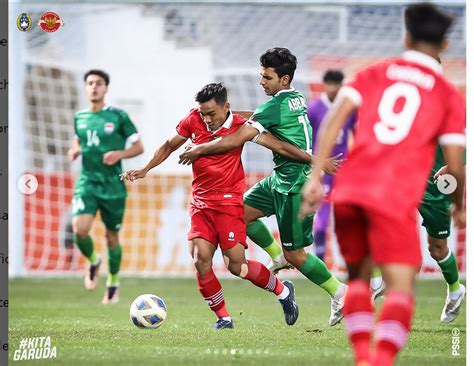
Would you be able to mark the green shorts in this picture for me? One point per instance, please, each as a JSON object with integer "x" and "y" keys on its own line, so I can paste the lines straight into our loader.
{"x": 436, "y": 218}
{"x": 111, "y": 209}
{"x": 294, "y": 232}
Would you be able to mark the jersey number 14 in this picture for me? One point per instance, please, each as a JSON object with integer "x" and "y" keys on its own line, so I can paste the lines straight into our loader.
{"x": 92, "y": 138}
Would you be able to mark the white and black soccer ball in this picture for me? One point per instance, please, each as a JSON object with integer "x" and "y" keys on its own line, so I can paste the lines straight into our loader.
{"x": 148, "y": 311}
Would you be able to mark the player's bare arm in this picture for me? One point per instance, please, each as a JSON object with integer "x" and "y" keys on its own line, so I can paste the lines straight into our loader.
{"x": 112, "y": 157}
{"x": 243, "y": 134}
{"x": 160, "y": 155}
{"x": 75, "y": 149}
{"x": 283, "y": 148}
{"x": 313, "y": 193}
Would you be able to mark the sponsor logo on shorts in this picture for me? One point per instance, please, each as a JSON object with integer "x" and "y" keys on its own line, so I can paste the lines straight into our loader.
{"x": 287, "y": 244}
{"x": 442, "y": 232}
{"x": 231, "y": 236}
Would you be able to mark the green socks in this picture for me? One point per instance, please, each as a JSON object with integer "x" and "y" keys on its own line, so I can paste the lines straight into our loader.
{"x": 260, "y": 235}
{"x": 316, "y": 271}
{"x": 449, "y": 267}
{"x": 86, "y": 246}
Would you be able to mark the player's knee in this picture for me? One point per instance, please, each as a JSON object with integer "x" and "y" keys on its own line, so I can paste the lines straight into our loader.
{"x": 112, "y": 238}
{"x": 296, "y": 257}
{"x": 203, "y": 265}
{"x": 81, "y": 231}
{"x": 235, "y": 267}
{"x": 437, "y": 252}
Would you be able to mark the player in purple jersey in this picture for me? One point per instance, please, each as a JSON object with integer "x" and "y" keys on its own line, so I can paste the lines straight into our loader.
{"x": 317, "y": 109}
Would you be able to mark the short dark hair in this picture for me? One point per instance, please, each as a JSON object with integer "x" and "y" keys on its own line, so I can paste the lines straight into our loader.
{"x": 281, "y": 59}
{"x": 215, "y": 91}
{"x": 333, "y": 76}
{"x": 426, "y": 23}
{"x": 99, "y": 73}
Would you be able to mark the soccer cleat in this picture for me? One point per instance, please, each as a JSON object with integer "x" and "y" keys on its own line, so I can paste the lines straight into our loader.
{"x": 377, "y": 292}
{"x": 289, "y": 305}
{"x": 111, "y": 295}
{"x": 276, "y": 266}
{"x": 92, "y": 276}
{"x": 451, "y": 307}
{"x": 221, "y": 323}
{"x": 336, "y": 309}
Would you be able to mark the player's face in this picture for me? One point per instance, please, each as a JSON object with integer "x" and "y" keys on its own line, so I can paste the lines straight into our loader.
{"x": 213, "y": 114}
{"x": 271, "y": 82}
{"x": 331, "y": 89}
{"x": 95, "y": 88}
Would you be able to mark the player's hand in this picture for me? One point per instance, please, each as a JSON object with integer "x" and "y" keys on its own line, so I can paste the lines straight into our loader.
{"x": 332, "y": 164}
{"x": 191, "y": 153}
{"x": 459, "y": 217}
{"x": 112, "y": 157}
{"x": 443, "y": 170}
{"x": 133, "y": 174}
{"x": 312, "y": 197}
{"x": 72, "y": 154}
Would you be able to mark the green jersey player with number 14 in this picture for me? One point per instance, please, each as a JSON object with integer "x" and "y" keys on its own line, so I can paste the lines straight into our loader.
{"x": 101, "y": 136}
{"x": 279, "y": 194}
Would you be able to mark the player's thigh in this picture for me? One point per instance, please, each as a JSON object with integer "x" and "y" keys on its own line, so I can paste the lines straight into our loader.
{"x": 112, "y": 212}
{"x": 82, "y": 224}
{"x": 230, "y": 227}
{"x": 234, "y": 259}
{"x": 436, "y": 218}
{"x": 202, "y": 252}
{"x": 394, "y": 239}
{"x": 259, "y": 200}
{"x": 351, "y": 230}
{"x": 295, "y": 233}
{"x": 202, "y": 225}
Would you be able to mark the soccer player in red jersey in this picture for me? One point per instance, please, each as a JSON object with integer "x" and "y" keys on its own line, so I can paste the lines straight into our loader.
{"x": 217, "y": 211}
{"x": 405, "y": 108}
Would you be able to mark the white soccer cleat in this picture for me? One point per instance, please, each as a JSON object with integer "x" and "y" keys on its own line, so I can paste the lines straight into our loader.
{"x": 336, "y": 309}
{"x": 451, "y": 307}
{"x": 92, "y": 276}
{"x": 277, "y": 265}
{"x": 377, "y": 292}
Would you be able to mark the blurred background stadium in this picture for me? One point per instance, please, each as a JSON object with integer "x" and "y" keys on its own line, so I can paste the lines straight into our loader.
{"x": 158, "y": 56}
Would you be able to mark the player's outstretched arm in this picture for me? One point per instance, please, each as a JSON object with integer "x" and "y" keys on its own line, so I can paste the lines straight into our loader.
{"x": 283, "y": 148}
{"x": 243, "y": 134}
{"x": 312, "y": 193}
{"x": 161, "y": 154}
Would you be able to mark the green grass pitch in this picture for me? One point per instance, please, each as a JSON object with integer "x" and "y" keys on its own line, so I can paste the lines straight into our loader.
{"x": 88, "y": 333}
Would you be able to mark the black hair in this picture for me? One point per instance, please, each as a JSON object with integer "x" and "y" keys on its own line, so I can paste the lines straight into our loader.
{"x": 99, "y": 73}
{"x": 426, "y": 23}
{"x": 333, "y": 76}
{"x": 215, "y": 91}
{"x": 281, "y": 59}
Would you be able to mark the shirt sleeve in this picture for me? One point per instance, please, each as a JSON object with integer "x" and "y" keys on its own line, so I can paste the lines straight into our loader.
{"x": 265, "y": 117}
{"x": 183, "y": 128}
{"x": 452, "y": 132}
{"x": 128, "y": 129}
{"x": 354, "y": 89}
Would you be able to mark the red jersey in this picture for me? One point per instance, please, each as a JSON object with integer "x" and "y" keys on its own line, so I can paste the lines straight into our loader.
{"x": 406, "y": 107}
{"x": 218, "y": 180}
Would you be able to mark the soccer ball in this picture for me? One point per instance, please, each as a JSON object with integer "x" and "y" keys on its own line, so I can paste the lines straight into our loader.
{"x": 148, "y": 311}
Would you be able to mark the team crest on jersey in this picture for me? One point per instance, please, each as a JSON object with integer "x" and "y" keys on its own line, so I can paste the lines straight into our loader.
{"x": 50, "y": 22}
{"x": 109, "y": 128}
{"x": 23, "y": 22}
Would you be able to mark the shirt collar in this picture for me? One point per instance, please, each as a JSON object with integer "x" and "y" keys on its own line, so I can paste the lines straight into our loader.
{"x": 227, "y": 124}
{"x": 423, "y": 59}
{"x": 285, "y": 91}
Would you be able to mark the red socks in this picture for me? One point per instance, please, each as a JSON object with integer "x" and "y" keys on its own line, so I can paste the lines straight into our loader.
{"x": 392, "y": 328}
{"x": 359, "y": 318}
{"x": 260, "y": 276}
{"x": 211, "y": 290}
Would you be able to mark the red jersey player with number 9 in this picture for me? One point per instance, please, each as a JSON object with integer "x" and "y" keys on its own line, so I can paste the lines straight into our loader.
{"x": 405, "y": 108}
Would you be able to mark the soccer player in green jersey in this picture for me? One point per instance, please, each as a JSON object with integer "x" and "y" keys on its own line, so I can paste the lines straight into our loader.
{"x": 279, "y": 194}
{"x": 101, "y": 136}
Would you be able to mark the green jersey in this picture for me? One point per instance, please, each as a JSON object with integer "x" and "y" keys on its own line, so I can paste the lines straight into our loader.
{"x": 98, "y": 133}
{"x": 285, "y": 117}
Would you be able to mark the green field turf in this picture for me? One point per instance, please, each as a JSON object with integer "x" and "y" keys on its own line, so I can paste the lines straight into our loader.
{"x": 88, "y": 333}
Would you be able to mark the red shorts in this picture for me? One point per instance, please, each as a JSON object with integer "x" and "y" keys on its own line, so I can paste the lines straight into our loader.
{"x": 226, "y": 227}
{"x": 388, "y": 240}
